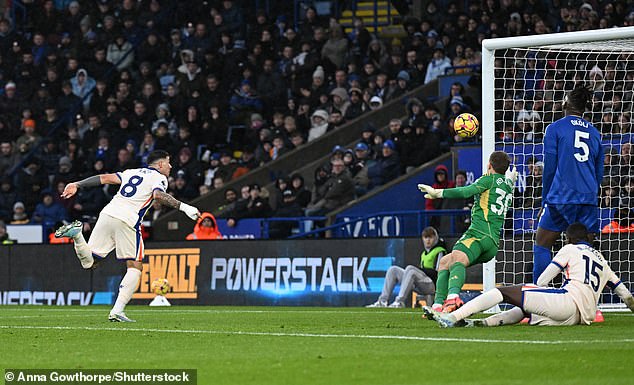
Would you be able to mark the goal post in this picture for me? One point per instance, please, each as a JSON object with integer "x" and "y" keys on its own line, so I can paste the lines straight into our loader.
{"x": 524, "y": 79}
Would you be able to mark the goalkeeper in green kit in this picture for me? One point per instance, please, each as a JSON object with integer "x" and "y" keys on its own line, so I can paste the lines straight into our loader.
{"x": 479, "y": 244}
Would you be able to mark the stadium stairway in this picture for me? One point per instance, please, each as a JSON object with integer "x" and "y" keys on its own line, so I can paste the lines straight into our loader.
{"x": 174, "y": 226}
{"x": 379, "y": 17}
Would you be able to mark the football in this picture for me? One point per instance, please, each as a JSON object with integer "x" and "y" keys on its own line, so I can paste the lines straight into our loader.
{"x": 160, "y": 286}
{"x": 466, "y": 125}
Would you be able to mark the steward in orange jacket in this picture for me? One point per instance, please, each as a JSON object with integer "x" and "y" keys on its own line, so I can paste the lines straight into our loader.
{"x": 206, "y": 228}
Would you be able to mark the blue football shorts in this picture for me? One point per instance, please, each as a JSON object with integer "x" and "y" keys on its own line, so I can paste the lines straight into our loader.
{"x": 559, "y": 217}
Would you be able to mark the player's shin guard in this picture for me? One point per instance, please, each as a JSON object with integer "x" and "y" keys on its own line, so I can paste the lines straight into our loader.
{"x": 480, "y": 303}
{"x": 126, "y": 289}
{"x": 83, "y": 251}
{"x": 457, "y": 274}
{"x": 541, "y": 260}
{"x": 442, "y": 286}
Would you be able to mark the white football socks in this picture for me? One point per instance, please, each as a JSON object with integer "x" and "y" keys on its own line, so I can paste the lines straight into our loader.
{"x": 482, "y": 302}
{"x": 126, "y": 289}
{"x": 508, "y": 317}
{"x": 83, "y": 251}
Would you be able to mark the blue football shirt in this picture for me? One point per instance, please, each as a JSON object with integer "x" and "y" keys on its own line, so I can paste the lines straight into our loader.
{"x": 573, "y": 162}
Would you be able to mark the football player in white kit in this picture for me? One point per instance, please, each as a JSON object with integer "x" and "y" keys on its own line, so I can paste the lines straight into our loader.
{"x": 118, "y": 225}
{"x": 586, "y": 273}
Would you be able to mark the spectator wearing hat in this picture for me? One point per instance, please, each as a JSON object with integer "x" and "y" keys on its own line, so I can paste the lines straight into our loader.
{"x": 414, "y": 111}
{"x": 19, "y": 215}
{"x": 317, "y": 87}
{"x": 244, "y": 102}
{"x": 375, "y": 103}
{"x": 184, "y": 190}
{"x": 340, "y": 100}
{"x": 402, "y": 85}
{"x": 357, "y": 106}
{"x": 288, "y": 206}
{"x": 205, "y": 228}
{"x": 437, "y": 66}
{"x": 227, "y": 166}
{"x": 29, "y": 139}
{"x": 386, "y": 168}
{"x": 162, "y": 138}
{"x": 319, "y": 125}
{"x": 10, "y": 102}
{"x": 258, "y": 204}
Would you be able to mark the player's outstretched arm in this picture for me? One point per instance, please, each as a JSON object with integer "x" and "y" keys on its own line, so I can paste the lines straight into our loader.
{"x": 91, "y": 181}
{"x": 619, "y": 289}
{"x": 169, "y": 201}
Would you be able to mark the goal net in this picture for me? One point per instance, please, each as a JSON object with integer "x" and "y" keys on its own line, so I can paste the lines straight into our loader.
{"x": 524, "y": 83}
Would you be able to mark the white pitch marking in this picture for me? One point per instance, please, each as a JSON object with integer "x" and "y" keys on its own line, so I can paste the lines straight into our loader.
{"x": 315, "y": 335}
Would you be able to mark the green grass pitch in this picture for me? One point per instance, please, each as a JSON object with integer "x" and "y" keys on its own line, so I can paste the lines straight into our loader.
{"x": 274, "y": 345}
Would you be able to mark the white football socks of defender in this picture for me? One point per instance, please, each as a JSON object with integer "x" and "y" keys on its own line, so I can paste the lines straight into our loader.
{"x": 126, "y": 289}
{"x": 509, "y": 317}
{"x": 482, "y": 302}
{"x": 83, "y": 251}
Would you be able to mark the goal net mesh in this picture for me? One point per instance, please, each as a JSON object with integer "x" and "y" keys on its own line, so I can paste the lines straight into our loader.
{"x": 530, "y": 84}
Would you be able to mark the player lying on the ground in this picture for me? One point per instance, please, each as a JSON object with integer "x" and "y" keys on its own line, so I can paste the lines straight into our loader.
{"x": 479, "y": 244}
{"x": 586, "y": 273}
{"x": 421, "y": 279}
{"x": 118, "y": 225}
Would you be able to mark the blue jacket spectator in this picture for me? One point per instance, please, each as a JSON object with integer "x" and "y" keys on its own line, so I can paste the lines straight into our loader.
{"x": 82, "y": 84}
{"x": 49, "y": 212}
{"x": 387, "y": 167}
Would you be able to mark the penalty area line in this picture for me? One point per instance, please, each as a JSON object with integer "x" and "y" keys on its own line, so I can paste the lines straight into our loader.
{"x": 312, "y": 335}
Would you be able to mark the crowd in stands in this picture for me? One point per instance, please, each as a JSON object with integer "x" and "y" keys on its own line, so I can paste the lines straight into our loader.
{"x": 93, "y": 86}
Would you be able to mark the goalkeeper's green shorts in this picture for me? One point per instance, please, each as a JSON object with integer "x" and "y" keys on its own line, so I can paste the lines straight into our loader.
{"x": 479, "y": 248}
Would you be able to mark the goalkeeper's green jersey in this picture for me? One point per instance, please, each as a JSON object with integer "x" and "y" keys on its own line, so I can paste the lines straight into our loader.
{"x": 493, "y": 195}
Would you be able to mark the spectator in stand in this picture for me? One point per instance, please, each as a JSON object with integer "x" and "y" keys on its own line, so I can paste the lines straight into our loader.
{"x": 8, "y": 197}
{"x": 8, "y": 158}
{"x": 29, "y": 139}
{"x": 258, "y": 204}
{"x": 302, "y": 195}
{"x": 402, "y": 85}
{"x": 437, "y": 65}
{"x": 386, "y": 168}
{"x": 533, "y": 191}
{"x": 184, "y": 189}
{"x": 48, "y": 212}
{"x": 19, "y": 216}
{"x": 205, "y": 228}
{"x": 461, "y": 223}
{"x": 357, "y": 106}
{"x": 414, "y": 111}
{"x": 337, "y": 190}
{"x": 427, "y": 143}
{"x": 319, "y": 125}
{"x": 441, "y": 181}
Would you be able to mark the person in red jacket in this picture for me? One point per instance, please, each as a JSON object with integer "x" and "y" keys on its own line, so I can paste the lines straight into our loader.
{"x": 206, "y": 228}
{"x": 441, "y": 181}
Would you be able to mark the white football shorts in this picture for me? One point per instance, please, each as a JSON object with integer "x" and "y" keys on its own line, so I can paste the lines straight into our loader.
{"x": 549, "y": 306}
{"x": 112, "y": 233}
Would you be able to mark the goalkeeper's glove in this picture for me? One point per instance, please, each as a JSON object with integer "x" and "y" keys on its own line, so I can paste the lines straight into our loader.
{"x": 430, "y": 192}
{"x": 190, "y": 211}
{"x": 511, "y": 173}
